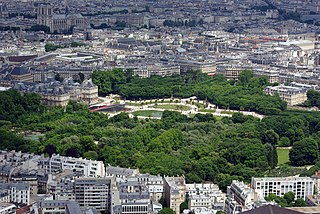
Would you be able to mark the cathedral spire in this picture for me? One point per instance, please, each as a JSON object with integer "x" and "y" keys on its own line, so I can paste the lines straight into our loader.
{"x": 67, "y": 7}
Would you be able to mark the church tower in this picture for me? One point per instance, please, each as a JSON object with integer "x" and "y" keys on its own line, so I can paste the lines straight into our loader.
{"x": 44, "y": 14}
{"x": 4, "y": 10}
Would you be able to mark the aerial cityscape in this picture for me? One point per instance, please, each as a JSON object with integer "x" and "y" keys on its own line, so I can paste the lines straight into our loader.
{"x": 159, "y": 107}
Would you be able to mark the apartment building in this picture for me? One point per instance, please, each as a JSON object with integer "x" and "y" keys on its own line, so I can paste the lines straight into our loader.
{"x": 82, "y": 166}
{"x": 7, "y": 208}
{"x": 300, "y": 186}
{"x": 55, "y": 206}
{"x": 63, "y": 187}
{"x": 242, "y": 194}
{"x": 202, "y": 66}
{"x": 157, "y": 70}
{"x": 232, "y": 71}
{"x": 31, "y": 180}
{"x": 174, "y": 192}
{"x": 292, "y": 95}
{"x": 233, "y": 207}
{"x": 94, "y": 193}
{"x": 131, "y": 197}
{"x": 204, "y": 197}
{"x": 316, "y": 179}
{"x": 17, "y": 192}
{"x": 154, "y": 184}
{"x": 121, "y": 174}
{"x": 272, "y": 75}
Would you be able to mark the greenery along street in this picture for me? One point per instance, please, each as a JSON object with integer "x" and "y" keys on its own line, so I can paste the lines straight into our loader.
{"x": 202, "y": 147}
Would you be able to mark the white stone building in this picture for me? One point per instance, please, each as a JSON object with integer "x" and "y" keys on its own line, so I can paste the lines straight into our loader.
{"x": 203, "y": 197}
{"x": 300, "y": 186}
{"x": 175, "y": 192}
{"x": 292, "y": 95}
{"x": 88, "y": 168}
{"x": 18, "y": 192}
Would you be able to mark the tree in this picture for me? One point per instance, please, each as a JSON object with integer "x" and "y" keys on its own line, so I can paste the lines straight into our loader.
{"x": 91, "y": 155}
{"x": 72, "y": 152}
{"x": 284, "y": 141}
{"x": 52, "y": 47}
{"x": 166, "y": 211}
{"x": 289, "y": 196}
{"x": 184, "y": 206}
{"x": 304, "y": 152}
{"x": 108, "y": 80}
{"x": 204, "y": 117}
{"x": 272, "y": 156}
{"x": 240, "y": 118}
{"x": 245, "y": 77}
{"x": 299, "y": 203}
{"x": 270, "y": 136}
{"x": 50, "y": 149}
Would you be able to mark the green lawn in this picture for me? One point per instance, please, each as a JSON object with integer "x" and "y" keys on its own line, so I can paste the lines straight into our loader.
{"x": 133, "y": 104}
{"x": 148, "y": 113}
{"x": 283, "y": 156}
{"x": 172, "y": 106}
{"x": 218, "y": 117}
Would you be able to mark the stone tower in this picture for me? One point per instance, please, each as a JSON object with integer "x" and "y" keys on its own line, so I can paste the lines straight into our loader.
{"x": 44, "y": 14}
{"x": 4, "y": 10}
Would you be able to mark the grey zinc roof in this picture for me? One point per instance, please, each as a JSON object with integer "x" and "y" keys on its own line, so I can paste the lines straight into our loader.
{"x": 270, "y": 209}
{"x": 5, "y": 169}
{"x": 19, "y": 71}
{"x": 134, "y": 195}
{"x": 59, "y": 16}
{"x": 87, "y": 83}
{"x": 94, "y": 181}
{"x": 73, "y": 207}
{"x": 119, "y": 171}
{"x": 19, "y": 186}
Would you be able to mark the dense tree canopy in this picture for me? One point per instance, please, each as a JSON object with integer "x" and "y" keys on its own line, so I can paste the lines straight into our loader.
{"x": 202, "y": 147}
{"x": 304, "y": 152}
{"x": 14, "y": 104}
{"x": 313, "y": 99}
{"x": 247, "y": 94}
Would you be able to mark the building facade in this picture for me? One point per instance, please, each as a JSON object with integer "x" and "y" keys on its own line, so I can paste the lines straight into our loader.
{"x": 59, "y": 23}
{"x": 174, "y": 192}
{"x": 85, "y": 167}
{"x": 232, "y": 72}
{"x": 300, "y": 186}
{"x": 292, "y": 95}
{"x": 204, "y": 198}
{"x": 94, "y": 193}
{"x": 55, "y": 93}
{"x": 18, "y": 192}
